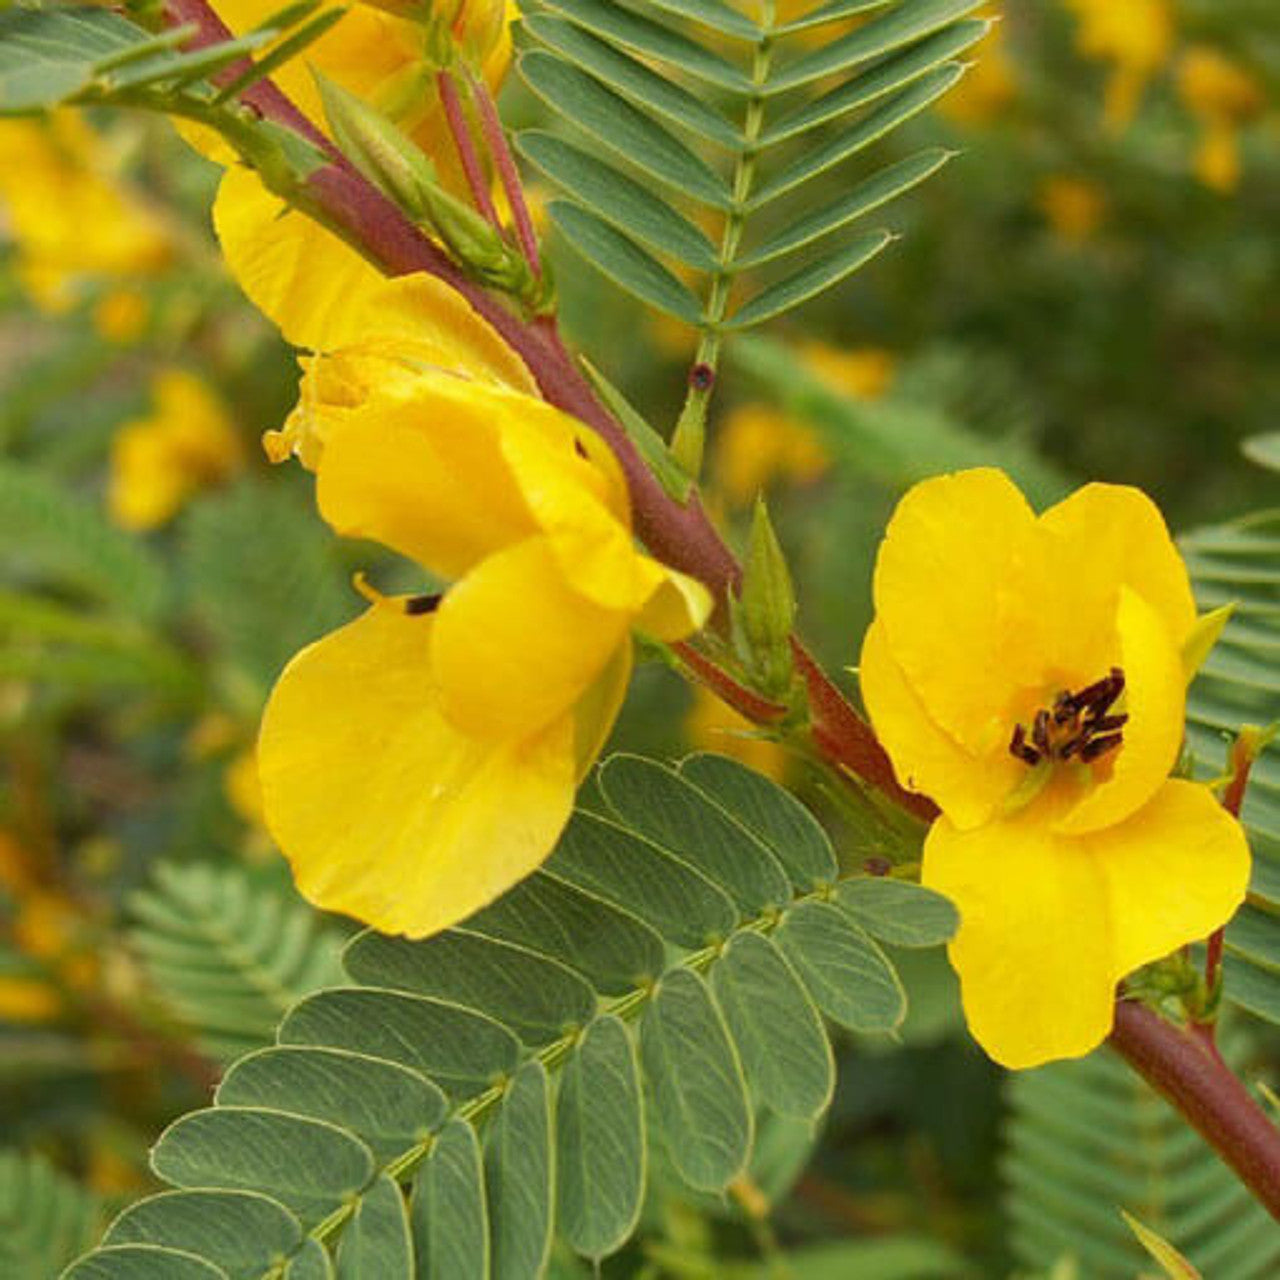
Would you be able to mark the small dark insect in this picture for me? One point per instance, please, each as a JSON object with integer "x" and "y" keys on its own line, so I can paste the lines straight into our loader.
{"x": 702, "y": 377}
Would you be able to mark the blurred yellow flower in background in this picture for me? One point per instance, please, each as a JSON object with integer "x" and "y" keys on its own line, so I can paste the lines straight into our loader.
{"x": 862, "y": 373}
{"x": 1135, "y": 36}
{"x": 121, "y": 316}
{"x": 1028, "y": 674}
{"x": 185, "y": 443}
{"x": 710, "y": 725}
{"x": 45, "y": 931}
{"x": 1074, "y": 207}
{"x": 1223, "y": 96}
{"x": 72, "y": 220}
{"x": 759, "y": 445}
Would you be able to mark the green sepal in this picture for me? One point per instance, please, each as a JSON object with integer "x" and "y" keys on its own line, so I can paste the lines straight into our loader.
{"x": 674, "y": 479}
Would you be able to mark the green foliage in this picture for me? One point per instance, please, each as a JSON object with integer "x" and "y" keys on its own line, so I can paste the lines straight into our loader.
{"x": 45, "y": 1218}
{"x": 228, "y": 954}
{"x": 87, "y": 56}
{"x": 700, "y": 79}
{"x": 50, "y": 537}
{"x": 470, "y": 1094}
{"x": 1240, "y": 563}
{"x": 1089, "y": 1138}
{"x": 910, "y": 433}
{"x": 261, "y": 578}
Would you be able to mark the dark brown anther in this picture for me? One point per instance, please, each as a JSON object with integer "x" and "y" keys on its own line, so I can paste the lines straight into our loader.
{"x": 702, "y": 377}
{"x": 416, "y": 605}
{"x": 580, "y": 449}
{"x": 1040, "y": 732}
{"x": 1019, "y": 747}
{"x": 1106, "y": 724}
{"x": 1070, "y": 747}
{"x": 1063, "y": 708}
{"x": 1097, "y": 747}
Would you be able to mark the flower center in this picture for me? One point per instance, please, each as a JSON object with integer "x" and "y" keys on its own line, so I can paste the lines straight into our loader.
{"x": 1078, "y": 725}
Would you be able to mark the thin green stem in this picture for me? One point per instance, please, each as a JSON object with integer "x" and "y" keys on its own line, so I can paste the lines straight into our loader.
{"x": 688, "y": 441}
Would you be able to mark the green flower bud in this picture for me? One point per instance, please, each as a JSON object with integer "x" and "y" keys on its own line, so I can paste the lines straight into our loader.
{"x": 765, "y": 610}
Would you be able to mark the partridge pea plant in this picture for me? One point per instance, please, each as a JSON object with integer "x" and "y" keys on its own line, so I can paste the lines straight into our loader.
{"x": 541, "y": 991}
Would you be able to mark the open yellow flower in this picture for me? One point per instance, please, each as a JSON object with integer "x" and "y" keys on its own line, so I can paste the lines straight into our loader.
{"x": 1027, "y": 674}
{"x": 187, "y": 442}
{"x": 422, "y": 759}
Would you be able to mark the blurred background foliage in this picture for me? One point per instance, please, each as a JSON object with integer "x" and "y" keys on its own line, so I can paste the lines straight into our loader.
{"x": 1089, "y": 291}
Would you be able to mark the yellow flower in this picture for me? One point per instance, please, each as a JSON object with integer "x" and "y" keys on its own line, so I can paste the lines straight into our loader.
{"x": 1073, "y": 207}
{"x": 383, "y": 60}
{"x": 72, "y": 221}
{"x": 1027, "y": 674}
{"x": 374, "y": 345}
{"x": 1136, "y": 36}
{"x": 157, "y": 462}
{"x": 1222, "y": 96}
{"x": 710, "y": 725}
{"x": 424, "y": 758}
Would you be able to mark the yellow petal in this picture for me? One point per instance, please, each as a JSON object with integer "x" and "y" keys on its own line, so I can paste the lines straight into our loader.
{"x": 678, "y": 607}
{"x": 1106, "y": 536}
{"x": 597, "y": 709}
{"x": 439, "y": 328}
{"x": 1155, "y": 701}
{"x": 298, "y": 274}
{"x": 1175, "y": 871}
{"x": 384, "y": 810}
{"x": 425, "y": 477}
{"x": 1033, "y": 951}
{"x": 515, "y": 646}
{"x": 967, "y": 788}
{"x": 361, "y": 51}
{"x": 951, "y": 593}
{"x": 1050, "y": 923}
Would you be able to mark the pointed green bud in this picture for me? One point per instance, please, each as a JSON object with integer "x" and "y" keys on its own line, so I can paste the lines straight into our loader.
{"x": 394, "y": 163}
{"x": 765, "y": 610}
{"x": 378, "y": 148}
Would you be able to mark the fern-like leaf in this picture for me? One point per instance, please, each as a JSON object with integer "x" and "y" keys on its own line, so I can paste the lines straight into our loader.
{"x": 1088, "y": 1139}
{"x": 1240, "y": 683}
{"x": 228, "y": 955}
{"x": 46, "y": 1219}
{"x": 696, "y": 113}
{"x": 671, "y": 959}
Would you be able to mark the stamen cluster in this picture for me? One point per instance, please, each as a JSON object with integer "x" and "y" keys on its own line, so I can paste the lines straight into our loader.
{"x": 1078, "y": 725}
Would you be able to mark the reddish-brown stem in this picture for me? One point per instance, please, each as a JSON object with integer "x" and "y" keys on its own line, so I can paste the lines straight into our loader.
{"x": 455, "y": 115}
{"x": 1192, "y": 1076}
{"x": 1186, "y": 1071}
{"x": 495, "y": 137}
{"x": 1242, "y": 758}
{"x": 743, "y": 700}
